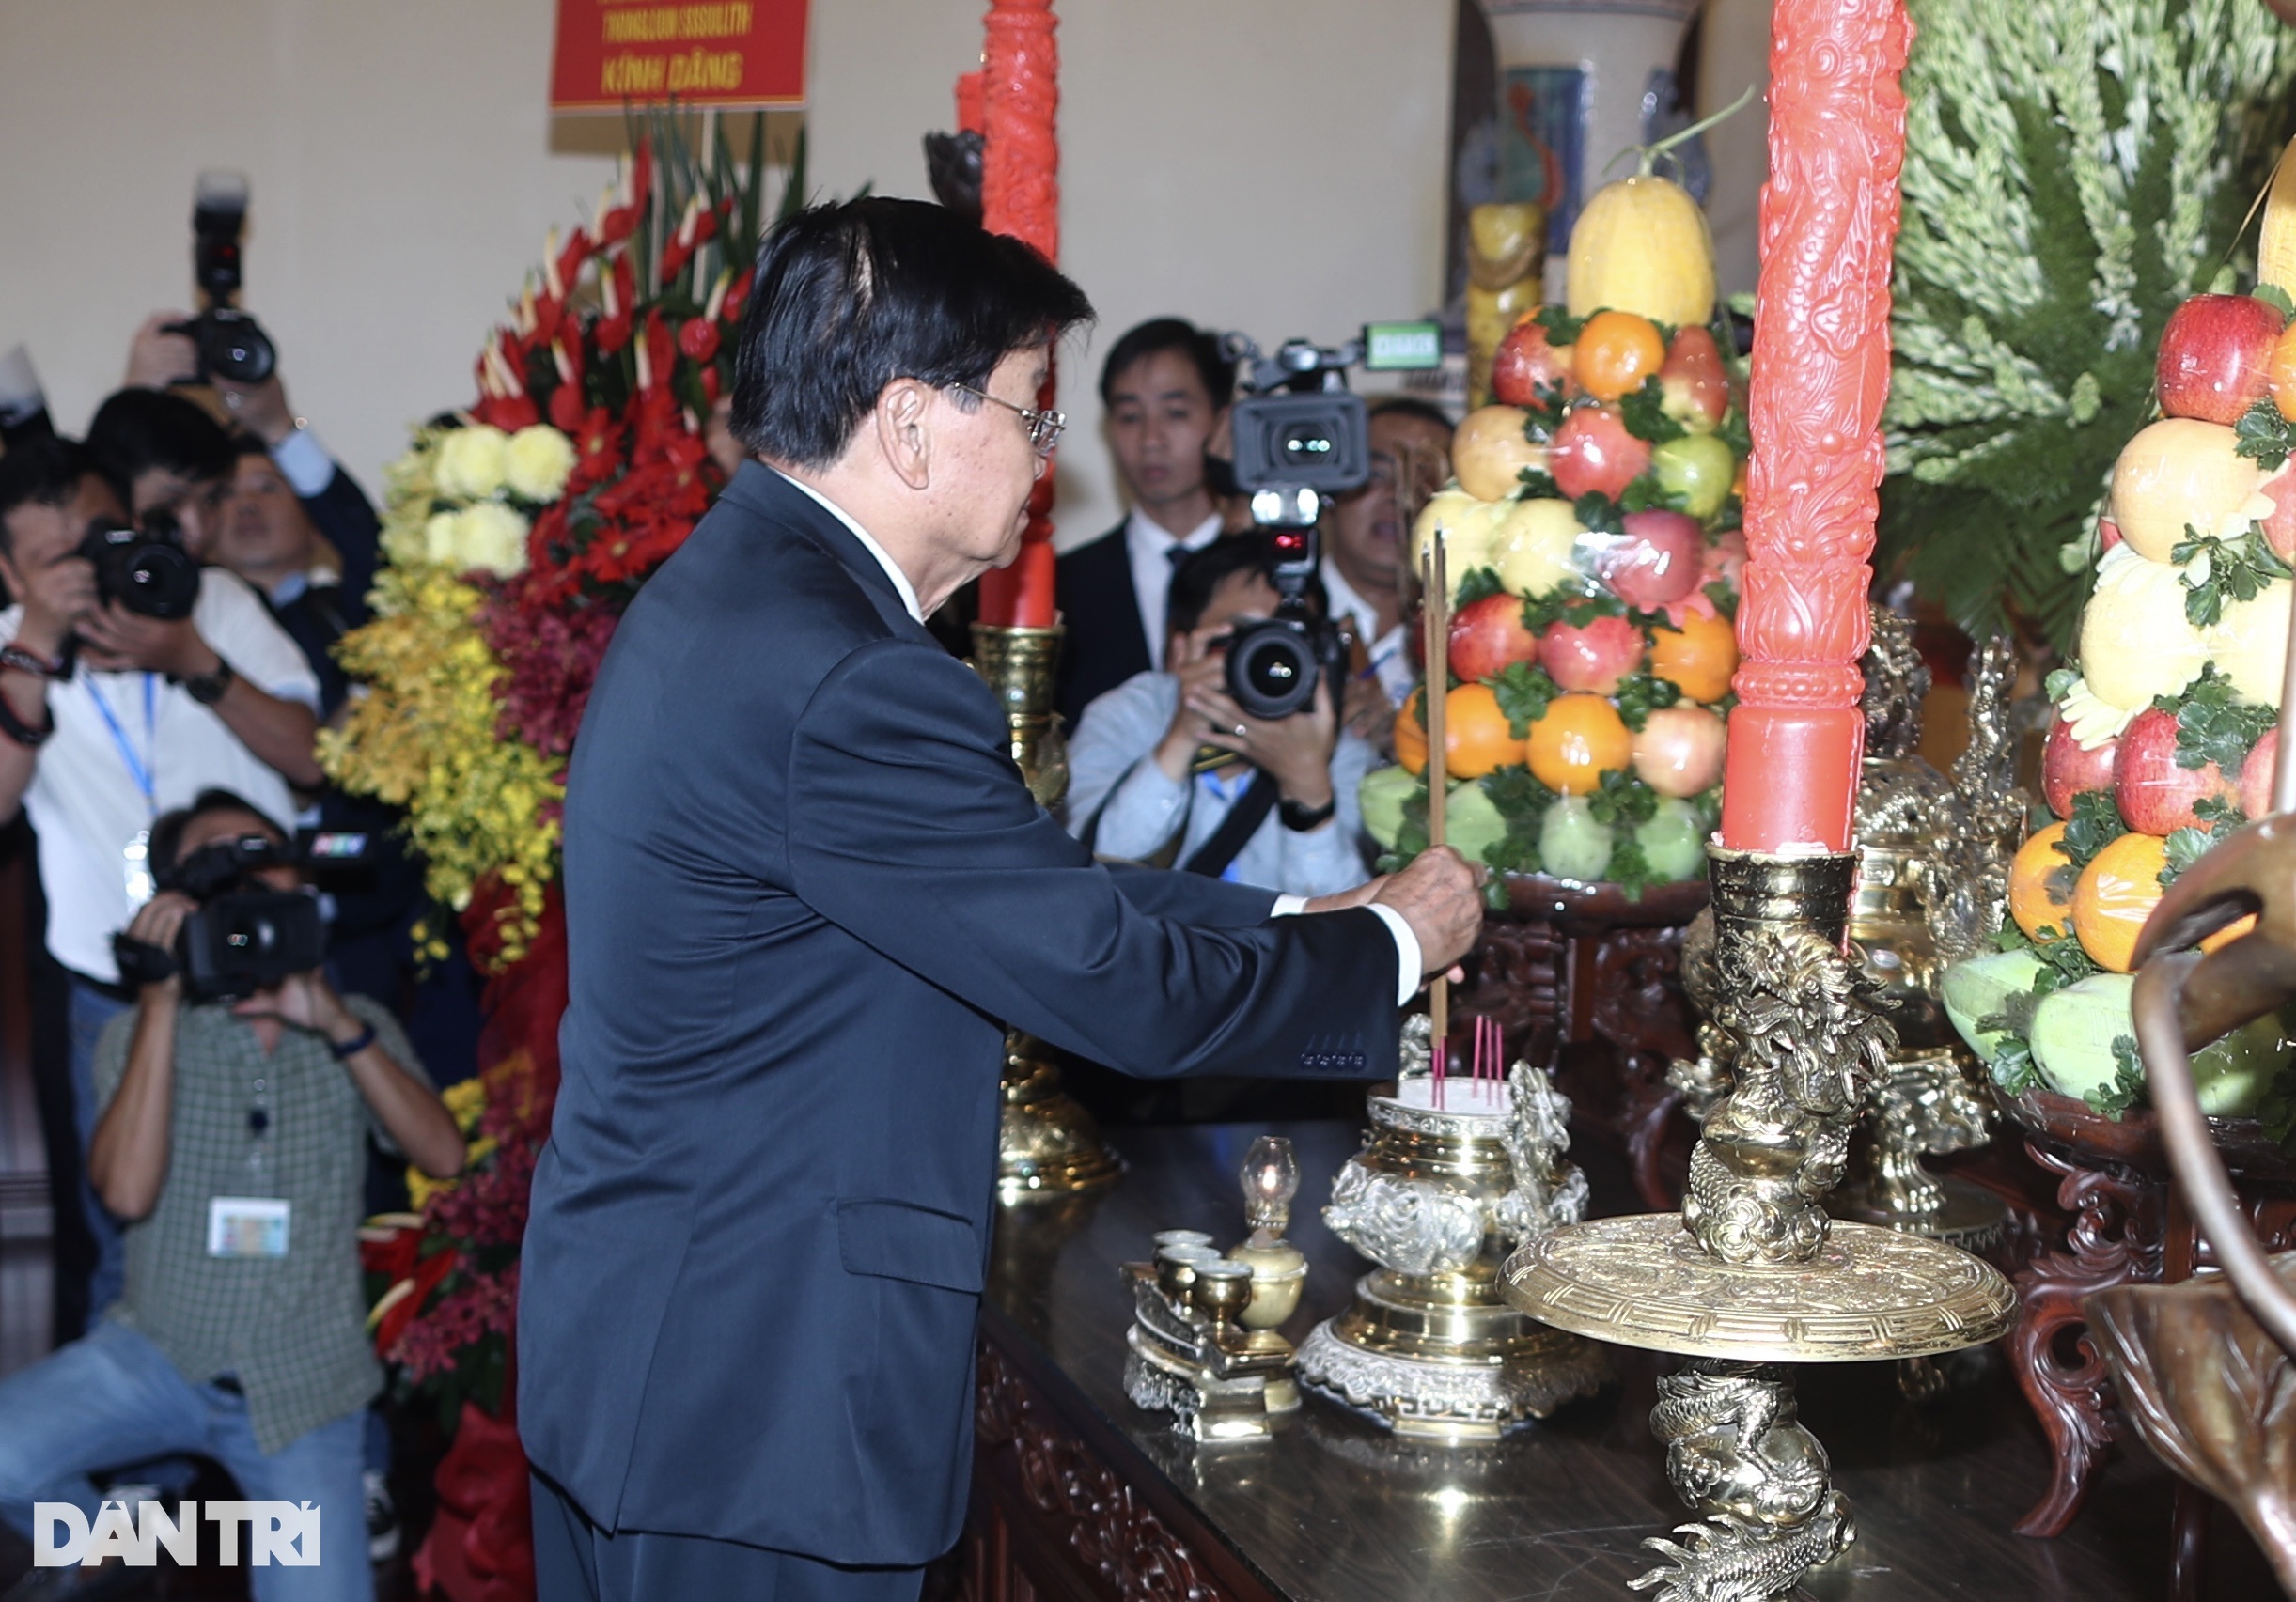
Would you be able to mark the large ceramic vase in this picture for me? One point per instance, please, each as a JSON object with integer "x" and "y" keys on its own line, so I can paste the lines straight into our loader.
{"x": 1579, "y": 80}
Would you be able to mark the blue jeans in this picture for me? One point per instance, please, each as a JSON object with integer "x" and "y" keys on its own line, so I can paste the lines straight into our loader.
{"x": 113, "y": 1399}
{"x": 91, "y": 1010}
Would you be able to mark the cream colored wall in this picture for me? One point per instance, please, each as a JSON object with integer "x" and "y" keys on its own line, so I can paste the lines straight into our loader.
{"x": 1272, "y": 166}
{"x": 400, "y": 161}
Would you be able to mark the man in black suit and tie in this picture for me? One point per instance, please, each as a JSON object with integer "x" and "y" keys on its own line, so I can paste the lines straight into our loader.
{"x": 806, "y": 891}
{"x": 1165, "y": 390}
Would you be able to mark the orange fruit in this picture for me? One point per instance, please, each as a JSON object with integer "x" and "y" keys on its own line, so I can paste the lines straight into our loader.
{"x": 2116, "y": 893}
{"x": 1580, "y": 738}
{"x": 2280, "y": 372}
{"x": 1410, "y": 739}
{"x": 1476, "y": 736}
{"x": 1698, "y": 658}
{"x": 1615, "y": 352}
{"x": 2229, "y": 933}
{"x": 2040, "y": 885}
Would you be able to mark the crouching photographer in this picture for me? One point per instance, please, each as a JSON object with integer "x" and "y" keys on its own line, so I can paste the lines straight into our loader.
{"x": 236, "y": 1097}
{"x": 1172, "y": 768}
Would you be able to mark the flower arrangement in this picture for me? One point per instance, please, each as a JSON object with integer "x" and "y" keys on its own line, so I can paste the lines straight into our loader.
{"x": 2074, "y": 170}
{"x": 516, "y": 531}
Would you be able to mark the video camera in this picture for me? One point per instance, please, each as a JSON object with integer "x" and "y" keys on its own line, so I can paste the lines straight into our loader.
{"x": 245, "y": 936}
{"x": 147, "y": 569}
{"x": 232, "y": 344}
{"x": 1300, "y": 436}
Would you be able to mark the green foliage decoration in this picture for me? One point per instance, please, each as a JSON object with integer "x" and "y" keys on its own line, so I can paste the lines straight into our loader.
{"x": 2075, "y": 169}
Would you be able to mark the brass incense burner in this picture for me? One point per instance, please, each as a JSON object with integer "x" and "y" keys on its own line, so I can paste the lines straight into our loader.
{"x": 1442, "y": 1191}
{"x": 1046, "y": 1145}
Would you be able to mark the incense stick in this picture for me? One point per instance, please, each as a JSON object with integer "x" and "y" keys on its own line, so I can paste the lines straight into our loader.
{"x": 1435, "y": 617}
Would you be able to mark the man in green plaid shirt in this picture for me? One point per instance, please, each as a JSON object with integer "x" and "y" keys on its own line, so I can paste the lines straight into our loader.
{"x": 232, "y": 1139}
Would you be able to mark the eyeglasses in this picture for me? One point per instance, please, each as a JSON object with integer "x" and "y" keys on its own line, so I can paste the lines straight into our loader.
{"x": 1044, "y": 428}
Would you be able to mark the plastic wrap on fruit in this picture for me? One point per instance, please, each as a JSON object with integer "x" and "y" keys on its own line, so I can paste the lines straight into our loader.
{"x": 1657, "y": 557}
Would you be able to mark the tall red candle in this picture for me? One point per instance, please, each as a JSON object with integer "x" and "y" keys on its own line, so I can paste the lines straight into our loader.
{"x": 1829, "y": 215}
{"x": 1020, "y": 194}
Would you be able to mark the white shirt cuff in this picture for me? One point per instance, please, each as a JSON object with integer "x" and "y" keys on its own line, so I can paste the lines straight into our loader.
{"x": 1407, "y": 953}
{"x": 303, "y": 462}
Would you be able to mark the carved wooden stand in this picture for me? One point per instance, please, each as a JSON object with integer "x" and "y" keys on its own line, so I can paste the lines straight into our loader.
{"x": 2121, "y": 1223}
{"x": 1588, "y": 984}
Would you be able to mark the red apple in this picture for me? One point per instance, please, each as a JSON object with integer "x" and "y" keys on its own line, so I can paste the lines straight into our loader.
{"x": 2213, "y": 357}
{"x": 1594, "y": 655}
{"x": 1657, "y": 561}
{"x": 2156, "y": 795}
{"x": 2257, "y": 775}
{"x": 1695, "y": 385}
{"x": 1723, "y": 560}
{"x": 1525, "y": 363}
{"x": 1680, "y": 751}
{"x": 1593, "y": 452}
{"x": 2108, "y": 534}
{"x": 2280, "y": 525}
{"x": 1487, "y": 635}
{"x": 2066, "y": 770}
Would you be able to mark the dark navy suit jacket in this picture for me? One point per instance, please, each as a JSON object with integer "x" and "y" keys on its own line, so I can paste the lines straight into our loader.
{"x": 1106, "y": 642}
{"x": 806, "y": 891}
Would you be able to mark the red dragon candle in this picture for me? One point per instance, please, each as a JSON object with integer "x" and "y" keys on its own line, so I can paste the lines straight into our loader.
{"x": 1020, "y": 194}
{"x": 1829, "y": 215}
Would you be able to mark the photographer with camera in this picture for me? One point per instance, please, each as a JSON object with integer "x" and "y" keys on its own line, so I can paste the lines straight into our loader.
{"x": 131, "y": 680}
{"x": 224, "y": 347}
{"x": 237, "y": 1097}
{"x": 1279, "y": 812}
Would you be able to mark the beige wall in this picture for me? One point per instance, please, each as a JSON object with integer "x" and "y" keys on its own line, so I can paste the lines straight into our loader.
{"x": 1273, "y": 165}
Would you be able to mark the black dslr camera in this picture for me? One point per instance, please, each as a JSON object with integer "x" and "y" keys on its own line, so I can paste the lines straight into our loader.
{"x": 245, "y": 936}
{"x": 145, "y": 569}
{"x": 232, "y": 344}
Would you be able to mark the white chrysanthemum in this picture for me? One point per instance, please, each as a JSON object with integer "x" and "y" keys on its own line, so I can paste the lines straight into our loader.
{"x": 439, "y": 542}
{"x": 537, "y": 461}
{"x": 471, "y": 462}
{"x": 2091, "y": 721}
{"x": 490, "y": 538}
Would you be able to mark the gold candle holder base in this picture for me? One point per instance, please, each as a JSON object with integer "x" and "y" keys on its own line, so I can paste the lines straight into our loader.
{"x": 1019, "y": 664}
{"x": 1754, "y": 1274}
{"x": 1047, "y": 1146}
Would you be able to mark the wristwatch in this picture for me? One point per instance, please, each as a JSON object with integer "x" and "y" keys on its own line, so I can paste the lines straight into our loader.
{"x": 1302, "y": 818}
{"x": 207, "y": 688}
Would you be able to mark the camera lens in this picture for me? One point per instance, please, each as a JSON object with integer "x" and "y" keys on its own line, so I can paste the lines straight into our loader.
{"x": 1271, "y": 670}
{"x": 1307, "y": 447}
{"x": 233, "y": 346}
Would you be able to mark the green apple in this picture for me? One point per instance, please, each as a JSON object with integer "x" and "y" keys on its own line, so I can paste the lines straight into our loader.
{"x": 2232, "y": 1074}
{"x": 1470, "y": 823}
{"x": 1572, "y": 842}
{"x": 1672, "y": 842}
{"x": 1698, "y": 467}
{"x": 1381, "y": 795}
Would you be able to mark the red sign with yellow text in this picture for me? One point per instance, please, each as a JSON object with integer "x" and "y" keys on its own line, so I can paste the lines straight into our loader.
{"x": 728, "y": 52}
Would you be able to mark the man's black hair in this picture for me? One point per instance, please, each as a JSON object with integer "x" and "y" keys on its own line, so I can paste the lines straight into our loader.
{"x": 138, "y": 429}
{"x": 850, "y": 297}
{"x": 1171, "y": 334}
{"x": 244, "y": 442}
{"x": 41, "y": 472}
{"x": 1409, "y": 406}
{"x": 1201, "y": 573}
{"x": 167, "y": 831}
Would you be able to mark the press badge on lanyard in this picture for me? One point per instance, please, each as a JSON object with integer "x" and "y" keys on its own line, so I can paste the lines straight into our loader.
{"x": 136, "y": 857}
{"x": 254, "y": 1225}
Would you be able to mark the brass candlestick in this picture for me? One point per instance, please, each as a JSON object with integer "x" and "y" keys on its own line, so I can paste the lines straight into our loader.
{"x": 1920, "y": 838}
{"x": 1437, "y": 1198}
{"x": 1753, "y": 1274}
{"x": 1046, "y": 1145}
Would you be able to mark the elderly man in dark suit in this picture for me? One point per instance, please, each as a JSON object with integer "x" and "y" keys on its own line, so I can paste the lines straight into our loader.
{"x": 806, "y": 890}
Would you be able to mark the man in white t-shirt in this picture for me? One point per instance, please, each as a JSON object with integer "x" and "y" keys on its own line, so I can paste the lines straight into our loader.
{"x": 109, "y": 718}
